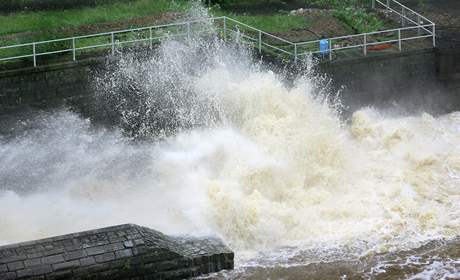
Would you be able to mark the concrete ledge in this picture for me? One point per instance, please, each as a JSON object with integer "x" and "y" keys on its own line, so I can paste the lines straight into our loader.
{"x": 120, "y": 252}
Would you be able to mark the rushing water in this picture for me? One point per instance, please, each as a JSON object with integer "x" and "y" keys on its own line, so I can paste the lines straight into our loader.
{"x": 207, "y": 141}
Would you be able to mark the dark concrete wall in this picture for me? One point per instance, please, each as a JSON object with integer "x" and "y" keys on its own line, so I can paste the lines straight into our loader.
{"x": 119, "y": 252}
{"x": 416, "y": 80}
{"x": 65, "y": 84}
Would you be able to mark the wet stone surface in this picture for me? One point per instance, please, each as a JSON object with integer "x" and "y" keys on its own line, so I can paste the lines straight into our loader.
{"x": 120, "y": 252}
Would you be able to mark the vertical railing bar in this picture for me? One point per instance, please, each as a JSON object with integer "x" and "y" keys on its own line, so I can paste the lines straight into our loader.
{"x": 113, "y": 43}
{"x": 365, "y": 44}
{"x": 34, "y": 53}
{"x": 434, "y": 35}
{"x": 225, "y": 28}
{"x": 418, "y": 24}
{"x": 295, "y": 53}
{"x": 74, "y": 55}
{"x": 188, "y": 31}
{"x": 260, "y": 42}
{"x": 330, "y": 49}
{"x": 151, "y": 37}
{"x": 399, "y": 40}
{"x": 403, "y": 15}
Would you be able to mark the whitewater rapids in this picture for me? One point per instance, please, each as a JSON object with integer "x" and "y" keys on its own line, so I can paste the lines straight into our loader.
{"x": 261, "y": 164}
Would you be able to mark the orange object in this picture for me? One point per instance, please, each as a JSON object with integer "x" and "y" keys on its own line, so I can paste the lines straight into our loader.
{"x": 379, "y": 47}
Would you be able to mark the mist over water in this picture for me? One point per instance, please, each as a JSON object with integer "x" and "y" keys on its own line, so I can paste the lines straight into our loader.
{"x": 207, "y": 141}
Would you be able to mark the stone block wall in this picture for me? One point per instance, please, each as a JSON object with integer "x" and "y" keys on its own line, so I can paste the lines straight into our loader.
{"x": 119, "y": 252}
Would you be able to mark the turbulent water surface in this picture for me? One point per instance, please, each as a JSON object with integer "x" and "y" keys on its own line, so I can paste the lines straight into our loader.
{"x": 206, "y": 141}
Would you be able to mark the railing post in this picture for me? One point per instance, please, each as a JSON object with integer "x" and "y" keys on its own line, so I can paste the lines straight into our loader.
{"x": 365, "y": 45}
{"x": 188, "y": 31}
{"x": 373, "y": 4}
{"x": 113, "y": 43}
{"x": 151, "y": 37}
{"x": 35, "y": 56}
{"x": 418, "y": 24}
{"x": 399, "y": 40}
{"x": 403, "y": 16}
{"x": 260, "y": 41}
{"x": 330, "y": 49}
{"x": 225, "y": 28}
{"x": 74, "y": 54}
{"x": 295, "y": 53}
{"x": 388, "y": 5}
{"x": 434, "y": 35}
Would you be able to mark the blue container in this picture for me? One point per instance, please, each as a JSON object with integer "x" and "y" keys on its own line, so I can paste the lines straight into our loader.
{"x": 324, "y": 47}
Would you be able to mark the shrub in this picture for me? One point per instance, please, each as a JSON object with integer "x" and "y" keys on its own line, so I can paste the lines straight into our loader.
{"x": 358, "y": 19}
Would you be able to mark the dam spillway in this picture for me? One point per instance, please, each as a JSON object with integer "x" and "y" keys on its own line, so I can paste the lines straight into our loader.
{"x": 204, "y": 140}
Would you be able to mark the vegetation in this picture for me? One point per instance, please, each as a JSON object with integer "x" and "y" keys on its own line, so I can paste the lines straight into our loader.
{"x": 273, "y": 23}
{"x": 351, "y": 12}
{"x": 29, "y": 26}
{"x": 52, "y": 20}
{"x": 55, "y": 21}
{"x": 358, "y": 19}
{"x": 8, "y": 6}
{"x": 269, "y": 23}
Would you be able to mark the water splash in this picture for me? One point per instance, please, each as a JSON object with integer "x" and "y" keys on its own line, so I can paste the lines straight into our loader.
{"x": 232, "y": 150}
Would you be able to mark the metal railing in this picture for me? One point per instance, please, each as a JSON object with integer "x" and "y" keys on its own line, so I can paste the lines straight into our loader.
{"x": 109, "y": 40}
{"x": 413, "y": 26}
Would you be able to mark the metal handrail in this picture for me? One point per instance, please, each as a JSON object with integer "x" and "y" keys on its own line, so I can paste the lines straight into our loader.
{"x": 73, "y": 40}
{"x": 407, "y": 8}
{"x": 403, "y": 14}
{"x": 368, "y": 33}
{"x": 259, "y": 41}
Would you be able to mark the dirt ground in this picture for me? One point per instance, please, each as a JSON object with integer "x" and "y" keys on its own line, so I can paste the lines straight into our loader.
{"x": 446, "y": 15}
{"x": 322, "y": 24}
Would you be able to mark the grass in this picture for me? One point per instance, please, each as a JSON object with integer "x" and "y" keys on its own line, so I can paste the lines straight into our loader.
{"x": 359, "y": 20}
{"x": 53, "y": 22}
{"x": 270, "y": 23}
{"x": 25, "y": 27}
{"x": 50, "y": 20}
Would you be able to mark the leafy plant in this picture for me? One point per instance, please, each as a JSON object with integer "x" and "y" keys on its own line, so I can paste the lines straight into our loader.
{"x": 359, "y": 20}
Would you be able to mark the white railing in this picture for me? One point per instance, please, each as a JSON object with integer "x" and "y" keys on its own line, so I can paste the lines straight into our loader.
{"x": 413, "y": 26}
{"x": 110, "y": 40}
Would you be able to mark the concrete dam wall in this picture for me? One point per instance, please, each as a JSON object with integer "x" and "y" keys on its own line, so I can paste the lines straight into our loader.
{"x": 119, "y": 252}
{"x": 418, "y": 80}
{"x": 422, "y": 79}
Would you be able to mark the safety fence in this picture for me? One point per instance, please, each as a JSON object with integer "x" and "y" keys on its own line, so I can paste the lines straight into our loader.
{"x": 413, "y": 27}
